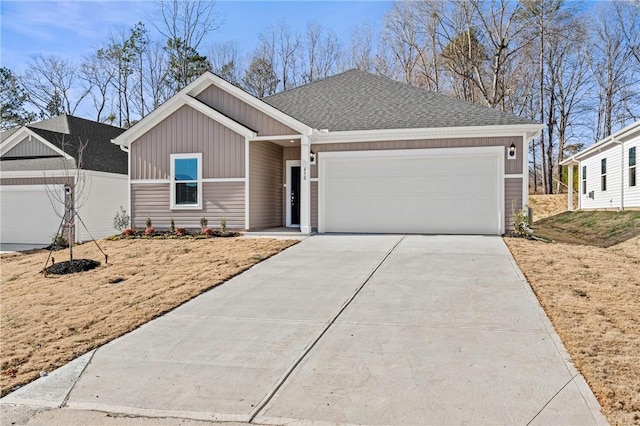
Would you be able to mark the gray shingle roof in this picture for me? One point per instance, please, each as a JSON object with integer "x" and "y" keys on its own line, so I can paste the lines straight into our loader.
{"x": 67, "y": 131}
{"x": 357, "y": 100}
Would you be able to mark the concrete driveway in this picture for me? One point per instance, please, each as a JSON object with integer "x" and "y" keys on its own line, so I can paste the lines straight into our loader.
{"x": 343, "y": 329}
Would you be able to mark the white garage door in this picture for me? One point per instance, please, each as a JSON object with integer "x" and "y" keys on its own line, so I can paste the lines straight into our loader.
{"x": 27, "y": 215}
{"x": 448, "y": 191}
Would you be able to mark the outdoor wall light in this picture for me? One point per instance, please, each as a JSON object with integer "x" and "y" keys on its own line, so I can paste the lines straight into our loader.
{"x": 312, "y": 157}
{"x": 512, "y": 151}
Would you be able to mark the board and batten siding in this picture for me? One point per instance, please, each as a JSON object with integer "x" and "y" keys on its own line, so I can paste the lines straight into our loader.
{"x": 37, "y": 181}
{"x": 512, "y": 191}
{"x": 30, "y": 147}
{"x": 188, "y": 131}
{"x": 265, "y": 185}
{"x": 243, "y": 113}
{"x": 510, "y": 166}
{"x": 220, "y": 200}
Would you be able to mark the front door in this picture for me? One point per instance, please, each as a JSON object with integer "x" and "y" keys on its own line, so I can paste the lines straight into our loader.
{"x": 293, "y": 193}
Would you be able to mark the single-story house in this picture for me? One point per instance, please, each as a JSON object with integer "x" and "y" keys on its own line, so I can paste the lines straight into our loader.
{"x": 38, "y": 160}
{"x": 351, "y": 153}
{"x": 608, "y": 172}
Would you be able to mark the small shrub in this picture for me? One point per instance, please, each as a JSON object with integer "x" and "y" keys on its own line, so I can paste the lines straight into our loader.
{"x": 149, "y": 231}
{"x": 121, "y": 220}
{"x": 223, "y": 225}
{"x": 58, "y": 241}
{"x": 521, "y": 222}
{"x": 207, "y": 231}
{"x": 180, "y": 232}
{"x": 148, "y": 222}
{"x": 172, "y": 226}
{"x": 203, "y": 223}
{"x": 129, "y": 232}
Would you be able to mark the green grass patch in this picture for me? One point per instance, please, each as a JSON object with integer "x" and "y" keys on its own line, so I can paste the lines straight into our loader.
{"x": 596, "y": 228}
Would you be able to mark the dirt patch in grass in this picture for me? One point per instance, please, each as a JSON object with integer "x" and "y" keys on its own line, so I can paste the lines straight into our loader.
{"x": 592, "y": 296}
{"x": 48, "y": 321}
{"x": 549, "y": 205}
{"x": 594, "y": 228}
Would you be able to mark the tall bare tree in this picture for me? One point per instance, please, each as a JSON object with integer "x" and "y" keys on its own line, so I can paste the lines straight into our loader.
{"x": 53, "y": 85}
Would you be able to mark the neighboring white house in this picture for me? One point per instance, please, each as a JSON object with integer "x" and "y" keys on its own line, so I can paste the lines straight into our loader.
{"x": 38, "y": 160}
{"x": 608, "y": 172}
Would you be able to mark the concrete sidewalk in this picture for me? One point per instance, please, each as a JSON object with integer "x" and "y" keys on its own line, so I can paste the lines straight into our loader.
{"x": 342, "y": 329}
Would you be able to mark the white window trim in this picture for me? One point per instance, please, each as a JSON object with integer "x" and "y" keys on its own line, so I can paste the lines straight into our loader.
{"x": 603, "y": 175}
{"x": 172, "y": 201}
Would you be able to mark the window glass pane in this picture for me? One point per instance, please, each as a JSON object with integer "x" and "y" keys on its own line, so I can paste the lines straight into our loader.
{"x": 186, "y": 169}
{"x": 584, "y": 172}
{"x": 632, "y": 176}
{"x": 632, "y": 156}
{"x": 603, "y": 183}
{"x": 186, "y": 193}
{"x": 603, "y": 166}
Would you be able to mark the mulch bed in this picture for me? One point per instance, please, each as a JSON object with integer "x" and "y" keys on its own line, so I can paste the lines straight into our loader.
{"x": 71, "y": 267}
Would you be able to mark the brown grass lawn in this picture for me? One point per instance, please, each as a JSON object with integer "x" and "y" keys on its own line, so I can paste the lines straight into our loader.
{"x": 592, "y": 296}
{"x": 46, "y": 322}
{"x": 544, "y": 205}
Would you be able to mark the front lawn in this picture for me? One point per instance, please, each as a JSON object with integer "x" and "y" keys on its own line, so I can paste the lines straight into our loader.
{"x": 47, "y": 321}
{"x": 591, "y": 293}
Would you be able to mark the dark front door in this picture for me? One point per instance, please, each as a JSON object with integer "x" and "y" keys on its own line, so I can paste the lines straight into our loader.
{"x": 295, "y": 195}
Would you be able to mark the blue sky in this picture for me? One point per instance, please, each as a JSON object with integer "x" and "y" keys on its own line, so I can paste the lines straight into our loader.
{"x": 73, "y": 29}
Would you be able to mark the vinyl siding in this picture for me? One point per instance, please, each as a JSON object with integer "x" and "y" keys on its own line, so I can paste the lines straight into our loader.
{"x": 510, "y": 166}
{"x": 512, "y": 192}
{"x": 314, "y": 205}
{"x": 609, "y": 199}
{"x": 221, "y": 200}
{"x": 265, "y": 185}
{"x": 188, "y": 131}
{"x": 631, "y": 193}
{"x": 36, "y": 181}
{"x": 30, "y": 148}
{"x": 244, "y": 113}
{"x": 104, "y": 194}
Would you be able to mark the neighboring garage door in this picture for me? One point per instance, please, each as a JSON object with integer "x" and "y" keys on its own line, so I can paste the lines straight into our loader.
{"x": 27, "y": 215}
{"x": 447, "y": 191}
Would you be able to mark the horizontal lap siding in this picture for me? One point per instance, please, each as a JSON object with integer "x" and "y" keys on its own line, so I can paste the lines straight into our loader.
{"x": 511, "y": 166}
{"x": 265, "y": 185}
{"x": 36, "y": 181}
{"x": 188, "y": 131}
{"x": 221, "y": 200}
{"x": 512, "y": 191}
{"x": 243, "y": 113}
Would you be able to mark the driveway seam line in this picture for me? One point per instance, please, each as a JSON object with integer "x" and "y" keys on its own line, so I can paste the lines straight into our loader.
{"x": 262, "y": 404}
{"x": 75, "y": 382}
{"x": 552, "y": 398}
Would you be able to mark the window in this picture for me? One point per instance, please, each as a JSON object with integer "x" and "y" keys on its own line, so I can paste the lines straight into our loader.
{"x": 603, "y": 174}
{"x": 186, "y": 181}
{"x": 632, "y": 166}
{"x": 584, "y": 179}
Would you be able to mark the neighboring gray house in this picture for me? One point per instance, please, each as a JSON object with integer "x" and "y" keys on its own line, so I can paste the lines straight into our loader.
{"x": 608, "y": 172}
{"x": 352, "y": 153}
{"x": 38, "y": 159}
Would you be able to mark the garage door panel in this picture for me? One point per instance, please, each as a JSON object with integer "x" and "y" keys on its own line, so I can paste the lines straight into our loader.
{"x": 413, "y": 194}
{"x": 27, "y": 215}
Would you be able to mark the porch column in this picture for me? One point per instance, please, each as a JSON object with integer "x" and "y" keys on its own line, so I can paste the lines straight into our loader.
{"x": 305, "y": 185}
{"x": 570, "y": 186}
